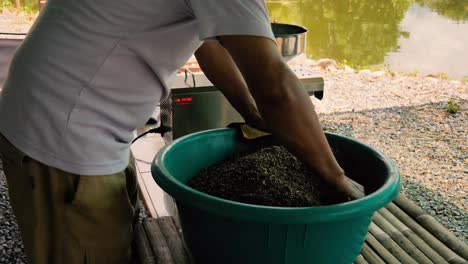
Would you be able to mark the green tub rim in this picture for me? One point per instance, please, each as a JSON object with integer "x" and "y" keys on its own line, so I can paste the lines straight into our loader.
{"x": 279, "y": 215}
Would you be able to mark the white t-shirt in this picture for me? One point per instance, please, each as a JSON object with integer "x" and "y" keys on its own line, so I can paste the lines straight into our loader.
{"x": 90, "y": 72}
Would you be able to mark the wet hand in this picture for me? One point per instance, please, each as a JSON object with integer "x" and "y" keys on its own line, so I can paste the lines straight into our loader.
{"x": 255, "y": 120}
{"x": 350, "y": 188}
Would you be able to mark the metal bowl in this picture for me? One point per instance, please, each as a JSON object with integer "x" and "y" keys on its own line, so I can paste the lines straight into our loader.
{"x": 291, "y": 39}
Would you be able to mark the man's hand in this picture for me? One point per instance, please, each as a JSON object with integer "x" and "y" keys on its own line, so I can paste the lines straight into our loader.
{"x": 252, "y": 75}
{"x": 286, "y": 108}
{"x": 350, "y": 188}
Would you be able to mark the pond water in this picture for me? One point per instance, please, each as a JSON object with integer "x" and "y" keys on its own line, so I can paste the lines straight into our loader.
{"x": 429, "y": 36}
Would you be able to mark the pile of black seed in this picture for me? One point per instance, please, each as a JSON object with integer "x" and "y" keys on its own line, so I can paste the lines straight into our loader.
{"x": 271, "y": 176}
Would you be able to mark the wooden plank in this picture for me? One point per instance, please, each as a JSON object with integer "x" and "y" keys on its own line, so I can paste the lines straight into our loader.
{"x": 145, "y": 194}
{"x": 433, "y": 226}
{"x": 391, "y": 245}
{"x": 431, "y": 240}
{"x": 174, "y": 240}
{"x": 370, "y": 256}
{"x": 417, "y": 241}
{"x": 400, "y": 239}
{"x": 143, "y": 246}
{"x": 380, "y": 250}
{"x": 360, "y": 260}
{"x": 158, "y": 242}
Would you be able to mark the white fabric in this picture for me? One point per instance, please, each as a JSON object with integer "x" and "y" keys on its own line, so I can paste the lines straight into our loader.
{"x": 91, "y": 72}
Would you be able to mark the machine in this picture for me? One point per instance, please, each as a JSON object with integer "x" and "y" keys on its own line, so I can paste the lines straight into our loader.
{"x": 195, "y": 104}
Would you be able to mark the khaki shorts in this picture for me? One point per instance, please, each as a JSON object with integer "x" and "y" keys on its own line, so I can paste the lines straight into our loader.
{"x": 69, "y": 218}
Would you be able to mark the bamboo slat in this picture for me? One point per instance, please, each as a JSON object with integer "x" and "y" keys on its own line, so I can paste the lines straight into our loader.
{"x": 417, "y": 241}
{"x": 432, "y": 241}
{"x": 158, "y": 242}
{"x": 400, "y": 239}
{"x": 143, "y": 246}
{"x": 434, "y": 227}
{"x": 360, "y": 260}
{"x": 370, "y": 255}
{"x": 174, "y": 240}
{"x": 381, "y": 250}
{"x": 390, "y": 245}
{"x": 400, "y": 233}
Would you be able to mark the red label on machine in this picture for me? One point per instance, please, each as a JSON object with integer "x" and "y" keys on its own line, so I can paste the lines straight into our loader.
{"x": 183, "y": 100}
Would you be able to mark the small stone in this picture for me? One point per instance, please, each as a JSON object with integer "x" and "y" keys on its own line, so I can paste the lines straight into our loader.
{"x": 365, "y": 71}
{"x": 325, "y": 63}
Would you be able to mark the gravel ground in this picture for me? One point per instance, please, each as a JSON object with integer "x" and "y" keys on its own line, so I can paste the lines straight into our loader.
{"x": 429, "y": 147}
{"x": 11, "y": 247}
{"x": 405, "y": 117}
{"x": 12, "y": 21}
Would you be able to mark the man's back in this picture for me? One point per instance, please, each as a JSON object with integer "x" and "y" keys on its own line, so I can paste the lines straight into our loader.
{"x": 88, "y": 74}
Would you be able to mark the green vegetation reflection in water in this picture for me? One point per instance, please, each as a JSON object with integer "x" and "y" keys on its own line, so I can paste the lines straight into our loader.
{"x": 361, "y": 33}
{"x": 456, "y": 10}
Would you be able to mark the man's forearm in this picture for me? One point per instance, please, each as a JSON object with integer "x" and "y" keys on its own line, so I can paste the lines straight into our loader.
{"x": 222, "y": 71}
{"x": 296, "y": 123}
{"x": 283, "y": 103}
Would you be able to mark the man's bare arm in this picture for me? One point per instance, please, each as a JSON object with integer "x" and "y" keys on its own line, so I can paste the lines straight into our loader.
{"x": 222, "y": 71}
{"x": 286, "y": 107}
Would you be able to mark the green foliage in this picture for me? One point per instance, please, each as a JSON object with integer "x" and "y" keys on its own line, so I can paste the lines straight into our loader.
{"x": 413, "y": 73}
{"x": 342, "y": 63}
{"x": 452, "y": 106}
{"x": 377, "y": 67}
{"x": 443, "y": 76}
{"x": 345, "y": 62}
{"x": 464, "y": 79}
{"x": 6, "y": 4}
{"x": 28, "y": 6}
{"x": 29, "y": 9}
{"x": 453, "y": 9}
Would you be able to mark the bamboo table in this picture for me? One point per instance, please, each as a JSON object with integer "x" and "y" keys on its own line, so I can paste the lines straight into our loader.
{"x": 399, "y": 233}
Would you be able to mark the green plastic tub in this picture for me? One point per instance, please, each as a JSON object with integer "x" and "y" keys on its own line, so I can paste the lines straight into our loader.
{"x": 222, "y": 231}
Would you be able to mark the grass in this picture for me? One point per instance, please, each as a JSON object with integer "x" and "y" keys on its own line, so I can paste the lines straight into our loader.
{"x": 414, "y": 73}
{"x": 8, "y": 4}
{"x": 375, "y": 67}
{"x": 443, "y": 76}
{"x": 452, "y": 106}
{"x": 386, "y": 68}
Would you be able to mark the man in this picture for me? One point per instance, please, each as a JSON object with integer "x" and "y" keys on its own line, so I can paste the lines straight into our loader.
{"x": 90, "y": 72}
